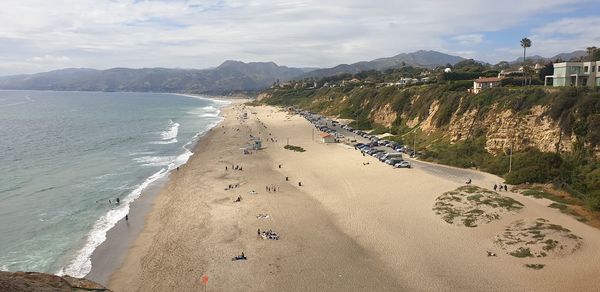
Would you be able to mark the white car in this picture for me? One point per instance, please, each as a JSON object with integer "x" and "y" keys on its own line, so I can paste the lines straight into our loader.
{"x": 402, "y": 164}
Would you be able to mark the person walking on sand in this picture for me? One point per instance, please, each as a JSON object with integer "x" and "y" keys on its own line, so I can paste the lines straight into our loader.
{"x": 495, "y": 187}
{"x": 506, "y": 188}
{"x": 126, "y": 217}
{"x": 258, "y": 232}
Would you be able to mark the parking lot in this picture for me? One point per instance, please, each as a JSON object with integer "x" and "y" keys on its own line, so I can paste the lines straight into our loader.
{"x": 385, "y": 151}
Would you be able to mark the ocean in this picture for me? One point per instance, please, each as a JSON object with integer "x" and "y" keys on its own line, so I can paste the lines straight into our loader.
{"x": 64, "y": 155}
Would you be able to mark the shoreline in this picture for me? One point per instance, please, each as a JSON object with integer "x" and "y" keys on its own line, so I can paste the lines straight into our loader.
{"x": 346, "y": 227}
{"x": 109, "y": 255}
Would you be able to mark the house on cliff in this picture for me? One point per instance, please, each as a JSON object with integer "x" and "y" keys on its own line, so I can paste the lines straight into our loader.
{"x": 482, "y": 83}
{"x": 575, "y": 74}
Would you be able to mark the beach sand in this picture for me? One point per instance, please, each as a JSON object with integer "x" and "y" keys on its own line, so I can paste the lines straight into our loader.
{"x": 349, "y": 227}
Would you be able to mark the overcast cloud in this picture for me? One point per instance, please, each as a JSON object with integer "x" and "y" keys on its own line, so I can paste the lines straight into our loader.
{"x": 44, "y": 35}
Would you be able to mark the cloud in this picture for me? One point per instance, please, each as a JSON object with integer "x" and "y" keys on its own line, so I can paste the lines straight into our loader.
{"x": 50, "y": 59}
{"x": 178, "y": 33}
{"x": 468, "y": 39}
{"x": 577, "y": 33}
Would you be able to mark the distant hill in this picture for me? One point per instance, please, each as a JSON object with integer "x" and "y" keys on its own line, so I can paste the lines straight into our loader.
{"x": 572, "y": 56}
{"x": 427, "y": 59}
{"x": 229, "y": 77}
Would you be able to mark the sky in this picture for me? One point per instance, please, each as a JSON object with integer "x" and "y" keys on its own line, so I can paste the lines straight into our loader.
{"x": 42, "y": 35}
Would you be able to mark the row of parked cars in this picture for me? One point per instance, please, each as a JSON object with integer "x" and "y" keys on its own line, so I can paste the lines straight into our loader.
{"x": 392, "y": 158}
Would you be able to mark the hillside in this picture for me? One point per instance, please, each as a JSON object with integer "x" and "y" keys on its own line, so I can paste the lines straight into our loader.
{"x": 425, "y": 59}
{"x": 231, "y": 76}
{"x": 575, "y": 55}
{"x": 554, "y": 132}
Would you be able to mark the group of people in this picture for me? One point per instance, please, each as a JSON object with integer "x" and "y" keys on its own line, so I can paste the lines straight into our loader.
{"x": 500, "y": 187}
{"x": 234, "y": 167}
{"x": 233, "y": 186}
{"x": 270, "y": 234}
{"x": 272, "y": 188}
{"x": 110, "y": 201}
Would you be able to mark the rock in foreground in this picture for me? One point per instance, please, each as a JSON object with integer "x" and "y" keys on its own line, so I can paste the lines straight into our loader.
{"x": 33, "y": 281}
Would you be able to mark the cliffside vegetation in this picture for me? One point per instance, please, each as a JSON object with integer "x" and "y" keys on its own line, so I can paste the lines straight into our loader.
{"x": 554, "y": 132}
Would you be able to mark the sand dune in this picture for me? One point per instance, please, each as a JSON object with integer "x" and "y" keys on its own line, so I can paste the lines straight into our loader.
{"x": 349, "y": 227}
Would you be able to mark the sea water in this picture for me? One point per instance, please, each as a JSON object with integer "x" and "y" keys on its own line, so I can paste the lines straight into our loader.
{"x": 64, "y": 155}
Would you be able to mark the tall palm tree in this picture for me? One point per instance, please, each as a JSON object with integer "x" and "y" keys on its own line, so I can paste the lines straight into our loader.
{"x": 525, "y": 43}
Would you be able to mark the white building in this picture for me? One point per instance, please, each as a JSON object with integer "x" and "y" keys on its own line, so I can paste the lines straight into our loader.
{"x": 327, "y": 138}
{"x": 482, "y": 83}
{"x": 575, "y": 74}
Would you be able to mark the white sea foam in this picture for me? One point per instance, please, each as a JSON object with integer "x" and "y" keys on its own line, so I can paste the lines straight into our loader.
{"x": 155, "y": 160}
{"x": 171, "y": 132}
{"x": 82, "y": 264}
{"x": 141, "y": 153}
{"x": 218, "y": 101}
{"x": 164, "y": 142}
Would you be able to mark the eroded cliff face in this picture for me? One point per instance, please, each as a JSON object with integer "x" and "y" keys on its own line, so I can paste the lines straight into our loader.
{"x": 385, "y": 115}
{"x": 503, "y": 128}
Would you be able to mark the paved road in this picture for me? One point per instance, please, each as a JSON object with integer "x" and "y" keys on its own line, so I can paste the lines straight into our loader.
{"x": 451, "y": 173}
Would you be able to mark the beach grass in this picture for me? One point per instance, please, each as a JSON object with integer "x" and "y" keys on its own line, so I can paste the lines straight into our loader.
{"x": 294, "y": 148}
{"x": 473, "y": 205}
{"x": 535, "y": 266}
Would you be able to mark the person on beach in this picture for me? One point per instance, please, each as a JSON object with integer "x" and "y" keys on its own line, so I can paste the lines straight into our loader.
{"x": 226, "y": 168}
{"x": 126, "y": 217}
{"x": 299, "y": 184}
{"x": 495, "y": 187}
{"x": 109, "y": 201}
{"x": 258, "y": 232}
{"x": 506, "y": 188}
{"x": 118, "y": 201}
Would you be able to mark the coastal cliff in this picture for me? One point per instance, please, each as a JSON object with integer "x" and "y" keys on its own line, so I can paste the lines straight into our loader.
{"x": 550, "y": 120}
{"x": 33, "y": 281}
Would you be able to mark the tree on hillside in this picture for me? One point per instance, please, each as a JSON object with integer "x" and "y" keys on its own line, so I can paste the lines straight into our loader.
{"x": 525, "y": 43}
{"x": 502, "y": 65}
{"x": 593, "y": 54}
{"x": 469, "y": 65}
{"x": 548, "y": 69}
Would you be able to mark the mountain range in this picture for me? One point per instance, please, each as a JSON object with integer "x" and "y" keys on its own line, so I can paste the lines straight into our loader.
{"x": 230, "y": 76}
{"x": 575, "y": 55}
{"x": 427, "y": 59}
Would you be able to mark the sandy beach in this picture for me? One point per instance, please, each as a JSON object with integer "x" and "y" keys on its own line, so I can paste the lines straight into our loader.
{"x": 348, "y": 227}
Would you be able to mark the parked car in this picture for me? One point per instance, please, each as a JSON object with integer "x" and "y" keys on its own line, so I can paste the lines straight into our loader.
{"x": 402, "y": 164}
{"x": 392, "y": 155}
{"x": 379, "y": 155}
{"x": 393, "y": 161}
{"x": 373, "y": 151}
